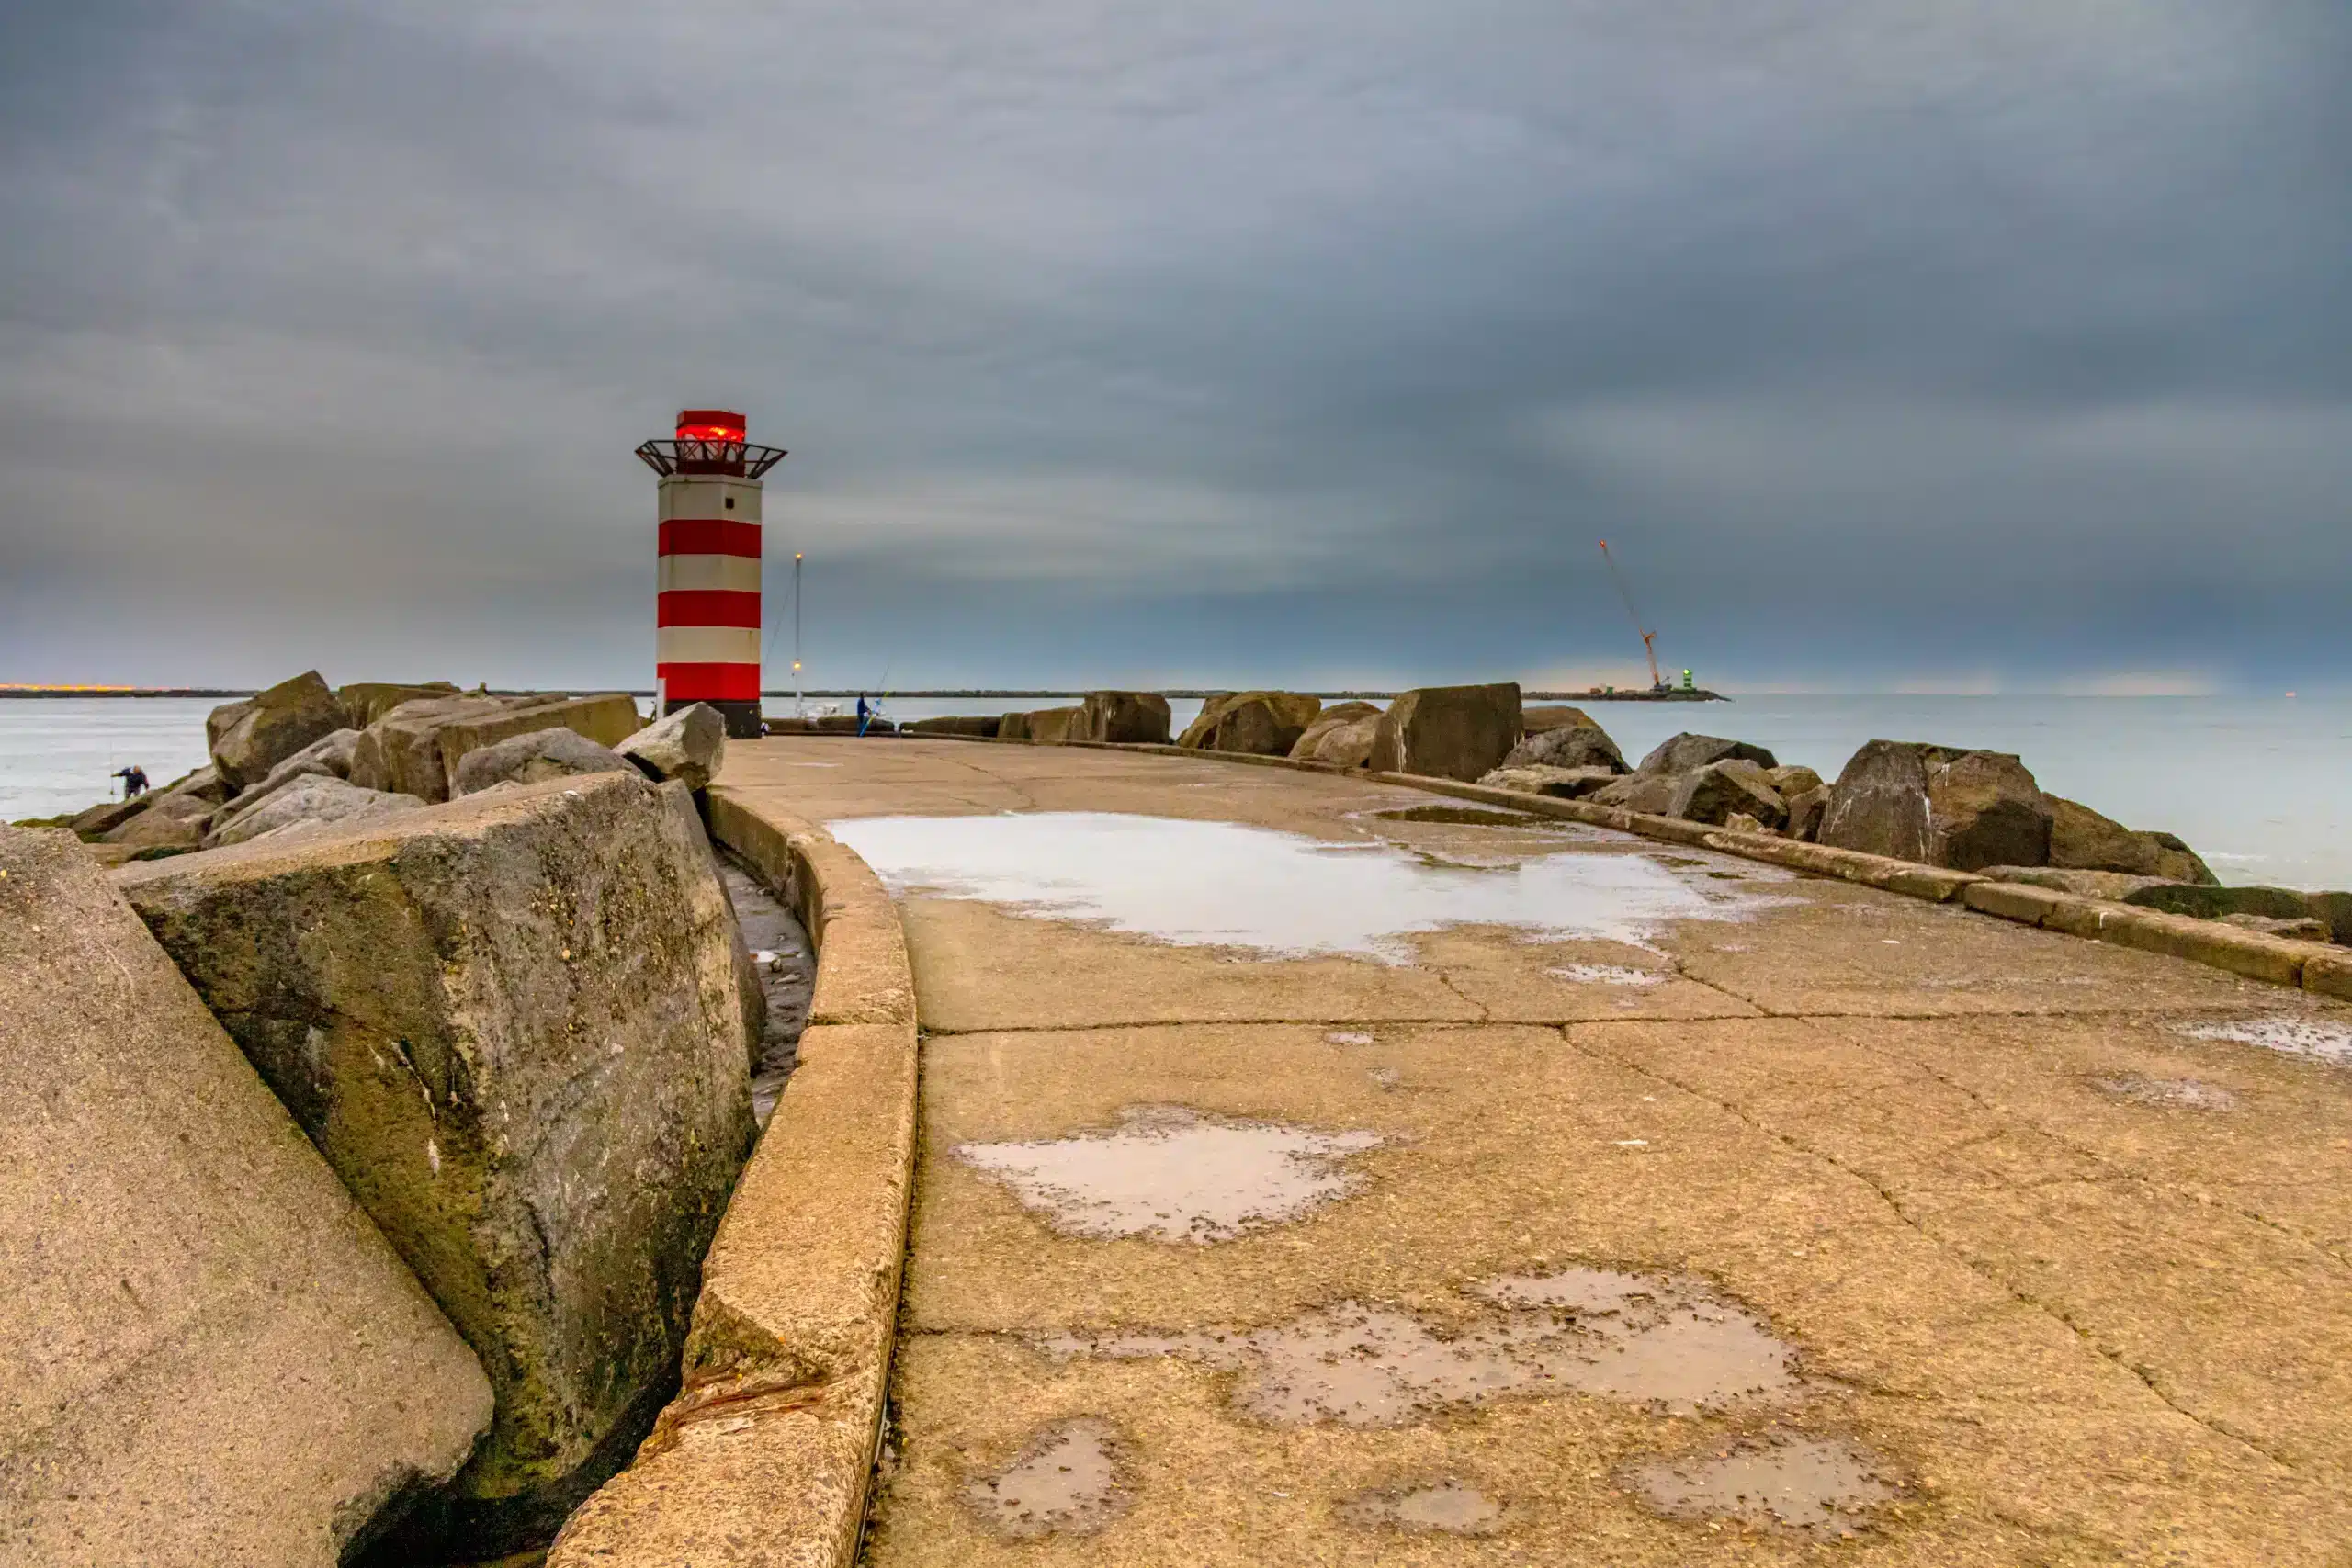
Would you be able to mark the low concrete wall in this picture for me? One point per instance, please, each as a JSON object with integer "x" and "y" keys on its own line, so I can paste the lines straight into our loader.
{"x": 765, "y": 1456}
{"x": 2321, "y": 968}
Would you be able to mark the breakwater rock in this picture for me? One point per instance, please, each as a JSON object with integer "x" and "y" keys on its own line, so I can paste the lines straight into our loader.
{"x": 215, "y": 1356}
{"x": 517, "y": 1027}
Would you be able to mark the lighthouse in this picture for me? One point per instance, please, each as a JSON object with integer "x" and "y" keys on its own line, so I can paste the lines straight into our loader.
{"x": 706, "y": 645}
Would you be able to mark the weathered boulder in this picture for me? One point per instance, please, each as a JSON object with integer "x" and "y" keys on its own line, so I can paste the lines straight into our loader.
{"x": 106, "y": 816}
{"x": 1719, "y": 790}
{"x": 688, "y": 745}
{"x": 513, "y": 1025}
{"x": 532, "y": 756}
{"x": 1939, "y": 805}
{"x": 1259, "y": 724}
{"x": 402, "y": 751}
{"x": 1680, "y": 753}
{"x": 1804, "y": 813}
{"x": 983, "y": 725}
{"x": 327, "y": 757}
{"x": 1792, "y": 781}
{"x": 1535, "y": 778}
{"x": 364, "y": 702}
{"x": 170, "y": 821}
{"x": 1056, "y": 726}
{"x": 1984, "y": 809}
{"x": 2082, "y": 839}
{"x": 213, "y": 1357}
{"x": 1129, "y": 716}
{"x": 1535, "y": 720}
{"x": 1585, "y": 745}
{"x": 1649, "y": 794}
{"x": 1013, "y": 727}
{"x": 607, "y": 719}
{"x": 309, "y": 803}
{"x": 1340, "y": 737}
{"x": 249, "y": 737}
{"x": 1448, "y": 732}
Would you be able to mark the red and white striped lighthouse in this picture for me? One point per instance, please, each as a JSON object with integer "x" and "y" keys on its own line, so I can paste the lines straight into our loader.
{"x": 707, "y": 648}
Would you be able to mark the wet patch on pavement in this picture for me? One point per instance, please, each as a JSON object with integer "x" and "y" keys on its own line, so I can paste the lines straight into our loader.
{"x": 1469, "y": 816}
{"x": 1605, "y": 974}
{"x": 2318, "y": 1040}
{"x": 1445, "y": 1507}
{"x": 1172, "y": 1175}
{"x": 1283, "y": 895}
{"x": 1825, "y": 1488}
{"x": 1670, "y": 1343}
{"x": 2183, "y": 1094}
{"x": 1064, "y": 1483}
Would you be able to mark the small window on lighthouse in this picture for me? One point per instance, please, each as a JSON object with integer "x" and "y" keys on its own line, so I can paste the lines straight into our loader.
{"x": 730, "y": 503}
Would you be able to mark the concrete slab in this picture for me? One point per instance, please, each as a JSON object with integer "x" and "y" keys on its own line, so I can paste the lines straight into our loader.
{"x": 2069, "y": 1314}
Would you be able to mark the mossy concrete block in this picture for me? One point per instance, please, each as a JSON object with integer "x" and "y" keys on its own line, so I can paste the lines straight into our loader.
{"x": 214, "y": 1357}
{"x": 513, "y": 1024}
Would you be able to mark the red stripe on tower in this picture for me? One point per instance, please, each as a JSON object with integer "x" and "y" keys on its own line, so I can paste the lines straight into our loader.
{"x": 708, "y": 607}
{"x": 706, "y": 614}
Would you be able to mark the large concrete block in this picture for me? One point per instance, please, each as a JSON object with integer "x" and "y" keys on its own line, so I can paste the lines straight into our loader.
{"x": 249, "y": 737}
{"x": 212, "y": 1355}
{"x": 364, "y": 702}
{"x": 1448, "y": 732}
{"x": 513, "y": 1024}
{"x": 402, "y": 751}
{"x": 1131, "y": 717}
{"x": 607, "y": 719}
{"x": 1256, "y": 724}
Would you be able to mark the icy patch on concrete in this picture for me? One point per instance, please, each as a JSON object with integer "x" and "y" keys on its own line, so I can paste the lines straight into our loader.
{"x": 1224, "y": 884}
{"x": 1670, "y": 1343}
{"x": 2320, "y": 1040}
{"x": 1172, "y": 1175}
{"x": 2184, "y": 1094}
{"x": 1605, "y": 974}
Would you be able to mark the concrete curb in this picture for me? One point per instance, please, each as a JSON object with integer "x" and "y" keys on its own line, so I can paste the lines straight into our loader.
{"x": 2320, "y": 968}
{"x": 765, "y": 1455}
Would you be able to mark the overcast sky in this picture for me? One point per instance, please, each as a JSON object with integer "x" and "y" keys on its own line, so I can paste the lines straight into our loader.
{"x": 1891, "y": 343}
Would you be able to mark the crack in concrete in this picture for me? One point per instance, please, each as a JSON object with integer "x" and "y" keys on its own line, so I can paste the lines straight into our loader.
{"x": 1895, "y": 1206}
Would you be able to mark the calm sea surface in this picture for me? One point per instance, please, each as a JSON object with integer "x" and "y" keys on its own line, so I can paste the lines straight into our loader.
{"x": 2262, "y": 787}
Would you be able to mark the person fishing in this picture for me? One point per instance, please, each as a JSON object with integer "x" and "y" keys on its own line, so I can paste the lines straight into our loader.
{"x": 134, "y": 781}
{"x": 864, "y": 715}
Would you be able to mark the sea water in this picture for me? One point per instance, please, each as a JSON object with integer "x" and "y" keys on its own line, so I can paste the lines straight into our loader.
{"x": 2261, "y": 787}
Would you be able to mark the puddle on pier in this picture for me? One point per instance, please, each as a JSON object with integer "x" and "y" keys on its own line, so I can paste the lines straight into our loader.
{"x": 787, "y": 966}
{"x": 2184, "y": 1094}
{"x": 1821, "y": 1488}
{"x": 1064, "y": 1483}
{"x": 1670, "y": 1343}
{"x": 2320, "y": 1040}
{"x": 1449, "y": 1508}
{"x": 1172, "y": 1175}
{"x": 1284, "y": 894}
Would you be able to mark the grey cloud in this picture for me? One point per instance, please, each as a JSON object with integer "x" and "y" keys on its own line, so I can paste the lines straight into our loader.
{"x": 1275, "y": 337}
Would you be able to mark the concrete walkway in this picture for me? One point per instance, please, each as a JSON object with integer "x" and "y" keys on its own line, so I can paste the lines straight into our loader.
{"x": 1797, "y": 1220}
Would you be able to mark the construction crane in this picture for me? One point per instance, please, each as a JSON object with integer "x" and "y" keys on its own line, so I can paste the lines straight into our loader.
{"x": 1649, "y": 638}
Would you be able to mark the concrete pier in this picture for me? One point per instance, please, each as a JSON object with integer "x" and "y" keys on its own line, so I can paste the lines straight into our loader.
{"x": 1692, "y": 1211}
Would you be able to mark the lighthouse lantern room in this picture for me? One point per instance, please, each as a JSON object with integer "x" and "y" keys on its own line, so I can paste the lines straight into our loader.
{"x": 707, "y": 647}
